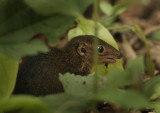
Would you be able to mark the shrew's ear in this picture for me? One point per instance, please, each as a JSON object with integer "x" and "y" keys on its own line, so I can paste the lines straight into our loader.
{"x": 82, "y": 49}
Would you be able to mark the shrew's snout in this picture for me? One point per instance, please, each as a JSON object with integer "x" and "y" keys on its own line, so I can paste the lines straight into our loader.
{"x": 118, "y": 54}
{"x": 115, "y": 54}
{"x": 110, "y": 55}
{"x": 111, "y": 51}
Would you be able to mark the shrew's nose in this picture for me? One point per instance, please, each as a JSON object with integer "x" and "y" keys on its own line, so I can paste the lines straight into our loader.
{"x": 119, "y": 55}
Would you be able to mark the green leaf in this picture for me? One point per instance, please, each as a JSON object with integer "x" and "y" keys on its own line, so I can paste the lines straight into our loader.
{"x": 8, "y": 74}
{"x": 18, "y": 23}
{"x": 154, "y": 36}
{"x": 128, "y": 99}
{"x": 25, "y": 104}
{"x": 135, "y": 65}
{"x": 108, "y": 20}
{"x": 150, "y": 68}
{"x": 150, "y": 86}
{"x": 145, "y": 1}
{"x": 131, "y": 75}
{"x": 120, "y": 8}
{"x": 106, "y": 8}
{"x": 22, "y": 49}
{"x": 114, "y": 13}
{"x": 77, "y": 85}
{"x": 64, "y": 103}
{"x": 157, "y": 107}
{"x": 86, "y": 27}
{"x": 25, "y": 26}
{"x": 71, "y": 7}
{"x": 117, "y": 78}
{"x": 157, "y": 89}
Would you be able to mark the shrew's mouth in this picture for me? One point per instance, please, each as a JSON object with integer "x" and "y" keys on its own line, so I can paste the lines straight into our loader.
{"x": 107, "y": 59}
{"x": 111, "y": 60}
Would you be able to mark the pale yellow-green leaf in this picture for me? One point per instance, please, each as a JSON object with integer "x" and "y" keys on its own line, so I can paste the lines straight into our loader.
{"x": 106, "y": 8}
{"x": 86, "y": 27}
{"x": 26, "y": 104}
{"x": 8, "y": 73}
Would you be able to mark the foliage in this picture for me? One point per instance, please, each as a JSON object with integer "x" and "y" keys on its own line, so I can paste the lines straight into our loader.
{"x": 150, "y": 68}
{"x": 154, "y": 36}
{"x": 151, "y": 87}
{"x": 23, "y": 104}
{"x": 18, "y": 23}
{"x": 79, "y": 89}
{"x": 71, "y": 7}
{"x": 145, "y": 1}
{"x": 65, "y": 103}
{"x": 22, "y": 19}
{"x": 8, "y": 73}
{"x": 112, "y": 12}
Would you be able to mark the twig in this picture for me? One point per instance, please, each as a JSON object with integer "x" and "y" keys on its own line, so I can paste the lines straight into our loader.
{"x": 127, "y": 49}
{"x": 151, "y": 29}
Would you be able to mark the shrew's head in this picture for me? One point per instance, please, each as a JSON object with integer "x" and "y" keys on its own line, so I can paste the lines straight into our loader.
{"x": 83, "y": 46}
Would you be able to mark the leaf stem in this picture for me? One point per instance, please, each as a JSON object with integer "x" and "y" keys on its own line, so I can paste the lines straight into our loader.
{"x": 95, "y": 15}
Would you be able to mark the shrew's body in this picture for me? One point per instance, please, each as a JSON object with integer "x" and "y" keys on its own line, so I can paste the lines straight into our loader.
{"x": 38, "y": 75}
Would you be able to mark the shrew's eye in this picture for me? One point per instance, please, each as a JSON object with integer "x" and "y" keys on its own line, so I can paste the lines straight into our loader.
{"x": 100, "y": 49}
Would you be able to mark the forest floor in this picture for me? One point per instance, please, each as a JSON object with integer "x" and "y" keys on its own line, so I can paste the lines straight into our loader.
{"x": 148, "y": 18}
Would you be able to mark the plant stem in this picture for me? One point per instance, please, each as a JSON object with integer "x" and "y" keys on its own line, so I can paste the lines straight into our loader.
{"x": 95, "y": 14}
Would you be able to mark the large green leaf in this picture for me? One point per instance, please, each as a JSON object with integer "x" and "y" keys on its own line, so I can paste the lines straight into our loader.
{"x": 150, "y": 86}
{"x": 116, "y": 80}
{"x": 128, "y": 99}
{"x": 77, "y": 85}
{"x": 86, "y": 27}
{"x": 24, "y": 24}
{"x": 16, "y": 50}
{"x": 8, "y": 73}
{"x": 64, "y": 103}
{"x": 131, "y": 75}
{"x": 106, "y": 7}
{"x": 18, "y": 23}
{"x": 80, "y": 89}
{"x": 157, "y": 107}
{"x": 23, "y": 104}
{"x": 71, "y": 7}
